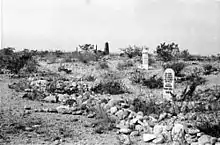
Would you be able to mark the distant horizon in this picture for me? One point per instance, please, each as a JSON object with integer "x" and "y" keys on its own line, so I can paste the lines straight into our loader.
{"x": 63, "y": 25}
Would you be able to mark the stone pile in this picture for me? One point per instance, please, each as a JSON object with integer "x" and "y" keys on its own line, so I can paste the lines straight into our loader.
{"x": 154, "y": 129}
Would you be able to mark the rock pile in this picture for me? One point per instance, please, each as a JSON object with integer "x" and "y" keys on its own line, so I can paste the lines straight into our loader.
{"x": 167, "y": 127}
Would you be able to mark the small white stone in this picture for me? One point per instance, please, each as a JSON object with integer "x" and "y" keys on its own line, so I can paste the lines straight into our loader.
{"x": 158, "y": 129}
{"x": 125, "y": 130}
{"x": 148, "y": 137}
{"x": 113, "y": 109}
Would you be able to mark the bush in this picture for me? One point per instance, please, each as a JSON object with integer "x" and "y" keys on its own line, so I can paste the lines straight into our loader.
{"x": 89, "y": 78}
{"x": 112, "y": 87}
{"x": 86, "y": 57}
{"x": 167, "y": 52}
{"x": 153, "y": 82}
{"x": 137, "y": 76}
{"x": 208, "y": 69}
{"x": 150, "y": 106}
{"x": 15, "y": 61}
{"x": 125, "y": 64}
{"x": 103, "y": 65}
{"x": 30, "y": 67}
{"x": 132, "y": 51}
{"x": 177, "y": 67}
{"x": 185, "y": 55}
{"x": 194, "y": 77}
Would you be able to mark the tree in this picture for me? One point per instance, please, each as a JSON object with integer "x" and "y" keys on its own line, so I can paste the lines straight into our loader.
{"x": 167, "y": 52}
{"x": 185, "y": 55}
{"x": 132, "y": 51}
{"x": 87, "y": 47}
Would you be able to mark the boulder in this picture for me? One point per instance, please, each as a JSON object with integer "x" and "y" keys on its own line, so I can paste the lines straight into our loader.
{"x": 158, "y": 129}
{"x": 27, "y": 107}
{"x": 193, "y": 131}
{"x": 159, "y": 140}
{"x": 126, "y": 139}
{"x": 120, "y": 114}
{"x": 63, "y": 110}
{"x": 134, "y": 133}
{"x": 140, "y": 115}
{"x": 148, "y": 137}
{"x": 63, "y": 97}
{"x": 113, "y": 109}
{"x": 125, "y": 130}
{"x": 213, "y": 140}
{"x": 139, "y": 128}
{"x": 133, "y": 121}
{"x": 112, "y": 102}
{"x": 162, "y": 116}
{"x": 178, "y": 132}
{"x": 190, "y": 138}
{"x": 204, "y": 139}
{"x": 51, "y": 99}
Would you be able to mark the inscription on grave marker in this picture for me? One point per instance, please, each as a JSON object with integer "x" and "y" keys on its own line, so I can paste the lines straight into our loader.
{"x": 168, "y": 83}
{"x": 145, "y": 59}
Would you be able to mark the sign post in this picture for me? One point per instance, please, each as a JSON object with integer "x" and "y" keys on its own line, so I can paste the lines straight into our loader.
{"x": 168, "y": 83}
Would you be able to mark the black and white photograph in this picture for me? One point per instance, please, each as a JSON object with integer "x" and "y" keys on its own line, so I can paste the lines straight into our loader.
{"x": 110, "y": 72}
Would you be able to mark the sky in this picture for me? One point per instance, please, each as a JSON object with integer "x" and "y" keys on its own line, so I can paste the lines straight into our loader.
{"x": 65, "y": 24}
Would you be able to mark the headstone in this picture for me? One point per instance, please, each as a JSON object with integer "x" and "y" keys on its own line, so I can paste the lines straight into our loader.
{"x": 145, "y": 59}
{"x": 168, "y": 83}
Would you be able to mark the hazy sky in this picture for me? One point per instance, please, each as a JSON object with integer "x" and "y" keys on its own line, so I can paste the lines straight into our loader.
{"x": 64, "y": 24}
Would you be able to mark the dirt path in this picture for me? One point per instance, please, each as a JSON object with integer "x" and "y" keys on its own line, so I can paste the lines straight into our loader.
{"x": 66, "y": 129}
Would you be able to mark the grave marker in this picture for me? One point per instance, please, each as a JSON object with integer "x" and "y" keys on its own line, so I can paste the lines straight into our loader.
{"x": 145, "y": 59}
{"x": 168, "y": 83}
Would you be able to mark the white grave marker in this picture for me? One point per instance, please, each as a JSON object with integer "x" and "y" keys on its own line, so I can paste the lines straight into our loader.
{"x": 145, "y": 59}
{"x": 168, "y": 83}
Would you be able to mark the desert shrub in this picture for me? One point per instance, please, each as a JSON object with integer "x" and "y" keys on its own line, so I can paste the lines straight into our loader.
{"x": 15, "y": 61}
{"x": 177, "y": 67}
{"x": 20, "y": 86}
{"x": 185, "y": 55}
{"x": 132, "y": 51}
{"x": 137, "y": 76}
{"x": 194, "y": 77}
{"x": 68, "y": 59}
{"x": 151, "y": 60}
{"x": 209, "y": 123}
{"x": 58, "y": 53}
{"x": 34, "y": 95}
{"x": 125, "y": 64}
{"x": 150, "y": 106}
{"x": 103, "y": 121}
{"x": 167, "y": 52}
{"x": 86, "y": 57}
{"x": 62, "y": 68}
{"x": 112, "y": 87}
{"x": 89, "y": 78}
{"x": 209, "y": 94}
{"x": 87, "y": 47}
{"x": 153, "y": 82}
{"x": 30, "y": 67}
{"x": 208, "y": 69}
{"x": 103, "y": 65}
{"x": 111, "y": 75}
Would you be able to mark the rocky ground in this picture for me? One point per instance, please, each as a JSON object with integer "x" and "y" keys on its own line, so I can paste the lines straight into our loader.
{"x": 65, "y": 110}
